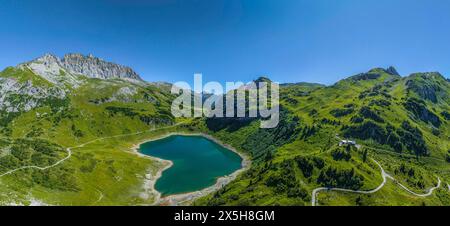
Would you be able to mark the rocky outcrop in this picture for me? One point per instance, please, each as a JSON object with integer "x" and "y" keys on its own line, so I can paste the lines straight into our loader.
{"x": 365, "y": 76}
{"x": 375, "y": 73}
{"x": 446, "y": 115}
{"x": 427, "y": 86}
{"x": 420, "y": 111}
{"x": 391, "y": 70}
{"x": 424, "y": 91}
{"x": 18, "y": 96}
{"x": 124, "y": 94}
{"x": 49, "y": 67}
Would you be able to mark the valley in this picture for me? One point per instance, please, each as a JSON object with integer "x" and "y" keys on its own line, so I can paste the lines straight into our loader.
{"x": 196, "y": 163}
{"x": 69, "y": 129}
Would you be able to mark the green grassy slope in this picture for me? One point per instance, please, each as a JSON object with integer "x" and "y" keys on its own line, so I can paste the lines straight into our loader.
{"x": 400, "y": 122}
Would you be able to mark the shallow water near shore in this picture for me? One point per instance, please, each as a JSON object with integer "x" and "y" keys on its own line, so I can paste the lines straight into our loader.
{"x": 197, "y": 163}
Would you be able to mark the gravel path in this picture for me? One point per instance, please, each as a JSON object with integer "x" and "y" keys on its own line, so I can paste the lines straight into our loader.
{"x": 385, "y": 176}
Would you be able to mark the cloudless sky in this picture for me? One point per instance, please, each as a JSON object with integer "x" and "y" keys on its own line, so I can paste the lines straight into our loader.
{"x": 234, "y": 40}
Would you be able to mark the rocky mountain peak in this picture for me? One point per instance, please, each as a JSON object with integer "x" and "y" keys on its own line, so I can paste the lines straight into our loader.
{"x": 50, "y": 67}
{"x": 262, "y": 79}
{"x": 48, "y": 58}
{"x": 95, "y": 67}
{"x": 391, "y": 70}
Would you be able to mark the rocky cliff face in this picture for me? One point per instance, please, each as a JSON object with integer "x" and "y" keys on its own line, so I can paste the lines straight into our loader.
{"x": 96, "y": 68}
{"x": 66, "y": 70}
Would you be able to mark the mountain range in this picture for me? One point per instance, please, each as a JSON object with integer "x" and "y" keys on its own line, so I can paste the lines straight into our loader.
{"x": 55, "y": 108}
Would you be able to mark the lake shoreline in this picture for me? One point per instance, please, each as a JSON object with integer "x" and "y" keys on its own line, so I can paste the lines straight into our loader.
{"x": 187, "y": 198}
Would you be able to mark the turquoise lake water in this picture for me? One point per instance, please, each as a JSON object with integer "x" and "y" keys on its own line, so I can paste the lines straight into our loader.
{"x": 197, "y": 163}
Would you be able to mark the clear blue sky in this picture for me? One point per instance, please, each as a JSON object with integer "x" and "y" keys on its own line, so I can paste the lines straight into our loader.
{"x": 231, "y": 40}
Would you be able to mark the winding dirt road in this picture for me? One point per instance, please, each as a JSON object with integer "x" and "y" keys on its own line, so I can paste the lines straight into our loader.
{"x": 385, "y": 176}
{"x": 69, "y": 150}
{"x": 69, "y": 154}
